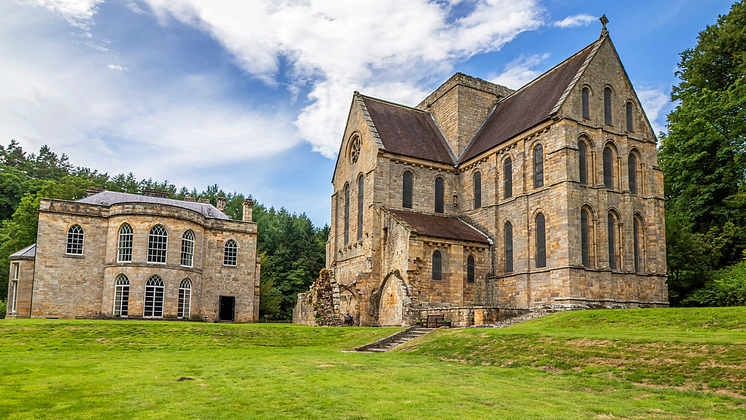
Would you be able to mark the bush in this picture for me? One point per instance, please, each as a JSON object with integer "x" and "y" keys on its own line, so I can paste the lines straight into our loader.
{"x": 727, "y": 289}
{"x": 3, "y": 307}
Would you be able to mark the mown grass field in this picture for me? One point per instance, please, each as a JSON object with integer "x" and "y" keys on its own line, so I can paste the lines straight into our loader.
{"x": 674, "y": 363}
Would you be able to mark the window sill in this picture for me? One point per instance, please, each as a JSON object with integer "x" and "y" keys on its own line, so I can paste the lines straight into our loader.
{"x": 156, "y": 263}
{"x": 230, "y": 266}
{"x": 81, "y": 256}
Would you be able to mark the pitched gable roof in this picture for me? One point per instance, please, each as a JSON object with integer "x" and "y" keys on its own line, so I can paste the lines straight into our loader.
{"x": 28, "y": 253}
{"x": 408, "y": 131}
{"x": 529, "y": 105}
{"x": 440, "y": 226}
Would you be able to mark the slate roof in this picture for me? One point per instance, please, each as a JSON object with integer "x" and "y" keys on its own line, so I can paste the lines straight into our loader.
{"x": 109, "y": 198}
{"x": 25, "y": 254}
{"x": 441, "y": 226}
{"x": 527, "y": 107}
{"x": 408, "y": 131}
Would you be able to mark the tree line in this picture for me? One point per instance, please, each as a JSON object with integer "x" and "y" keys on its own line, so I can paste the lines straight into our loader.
{"x": 291, "y": 248}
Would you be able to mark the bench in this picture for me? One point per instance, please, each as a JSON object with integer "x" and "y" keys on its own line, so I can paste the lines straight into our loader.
{"x": 433, "y": 321}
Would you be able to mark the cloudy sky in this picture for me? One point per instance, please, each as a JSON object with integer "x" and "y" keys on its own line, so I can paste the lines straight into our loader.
{"x": 253, "y": 94}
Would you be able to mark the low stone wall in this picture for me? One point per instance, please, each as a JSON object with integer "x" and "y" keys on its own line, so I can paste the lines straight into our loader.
{"x": 468, "y": 316}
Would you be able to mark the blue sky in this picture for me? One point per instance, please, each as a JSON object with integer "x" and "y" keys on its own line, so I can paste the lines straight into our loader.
{"x": 253, "y": 95}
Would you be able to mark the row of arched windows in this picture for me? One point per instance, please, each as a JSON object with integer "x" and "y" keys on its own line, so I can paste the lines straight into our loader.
{"x": 608, "y": 108}
{"x": 157, "y": 245}
{"x": 609, "y": 167}
{"x": 153, "y": 299}
{"x": 540, "y": 243}
{"x": 437, "y": 267}
{"x": 360, "y": 200}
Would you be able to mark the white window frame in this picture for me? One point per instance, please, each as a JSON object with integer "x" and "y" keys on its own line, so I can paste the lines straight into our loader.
{"x": 185, "y": 299}
{"x": 124, "y": 243}
{"x": 121, "y": 285}
{"x": 187, "y": 249}
{"x": 229, "y": 258}
{"x": 154, "y": 283}
{"x": 154, "y": 253}
{"x": 13, "y": 296}
{"x": 75, "y": 240}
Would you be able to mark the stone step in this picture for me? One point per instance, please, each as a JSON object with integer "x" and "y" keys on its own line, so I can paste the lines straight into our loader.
{"x": 395, "y": 340}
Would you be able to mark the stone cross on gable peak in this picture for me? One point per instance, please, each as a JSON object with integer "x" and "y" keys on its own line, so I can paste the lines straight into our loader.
{"x": 604, "y": 21}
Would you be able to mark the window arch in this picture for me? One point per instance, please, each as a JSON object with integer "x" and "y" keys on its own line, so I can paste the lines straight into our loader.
{"x": 508, "y": 247}
{"x": 121, "y": 295}
{"x": 470, "y": 269}
{"x": 583, "y": 161}
{"x": 638, "y": 241}
{"x": 75, "y": 236}
{"x": 360, "y": 200}
{"x": 124, "y": 243}
{"x": 508, "y": 175}
{"x": 607, "y": 105}
{"x": 185, "y": 299}
{"x": 187, "y": 249}
{"x": 407, "y": 180}
{"x": 632, "y": 172}
{"x": 153, "y": 307}
{"x": 586, "y": 102}
{"x": 439, "y": 195}
{"x": 585, "y": 245}
{"x": 230, "y": 254}
{"x": 541, "y": 243}
{"x": 538, "y": 166}
{"x": 611, "y": 233}
{"x": 628, "y": 109}
{"x": 354, "y": 147}
{"x": 157, "y": 244}
{"x": 477, "y": 181}
{"x": 437, "y": 266}
{"x": 347, "y": 214}
{"x": 608, "y": 168}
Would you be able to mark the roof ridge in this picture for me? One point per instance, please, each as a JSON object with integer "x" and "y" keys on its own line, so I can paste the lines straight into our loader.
{"x": 394, "y": 103}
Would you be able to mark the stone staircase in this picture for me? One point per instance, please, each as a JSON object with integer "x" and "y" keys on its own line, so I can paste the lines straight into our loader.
{"x": 395, "y": 340}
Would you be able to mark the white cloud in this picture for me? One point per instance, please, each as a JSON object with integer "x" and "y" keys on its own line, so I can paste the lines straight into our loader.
{"x": 115, "y": 67}
{"x": 78, "y": 13}
{"x": 656, "y": 103}
{"x": 575, "y": 21}
{"x": 520, "y": 71}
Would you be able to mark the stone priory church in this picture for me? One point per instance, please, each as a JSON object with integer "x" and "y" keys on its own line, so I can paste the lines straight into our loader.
{"x": 482, "y": 200}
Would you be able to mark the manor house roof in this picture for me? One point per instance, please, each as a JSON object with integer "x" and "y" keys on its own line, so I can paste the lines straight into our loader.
{"x": 441, "y": 226}
{"x": 109, "y": 198}
{"x": 27, "y": 253}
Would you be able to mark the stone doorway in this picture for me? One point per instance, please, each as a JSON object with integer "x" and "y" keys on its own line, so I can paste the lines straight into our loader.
{"x": 393, "y": 297}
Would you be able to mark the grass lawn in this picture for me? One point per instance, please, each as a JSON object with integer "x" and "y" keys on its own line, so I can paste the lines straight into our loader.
{"x": 682, "y": 364}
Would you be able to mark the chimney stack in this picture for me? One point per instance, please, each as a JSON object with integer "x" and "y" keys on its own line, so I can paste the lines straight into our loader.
{"x": 204, "y": 200}
{"x": 248, "y": 208}
{"x": 221, "y": 201}
{"x": 190, "y": 199}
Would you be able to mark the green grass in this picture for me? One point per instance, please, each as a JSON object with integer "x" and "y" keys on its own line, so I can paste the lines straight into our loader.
{"x": 557, "y": 367}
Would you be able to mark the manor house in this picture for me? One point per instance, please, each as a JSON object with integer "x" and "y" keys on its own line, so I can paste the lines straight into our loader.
{"x": 481, "y": 199}
{"x": 137, "y": 256}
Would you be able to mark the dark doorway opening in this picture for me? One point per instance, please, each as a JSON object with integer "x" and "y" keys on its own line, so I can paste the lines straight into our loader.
{"x": 227, "y": 308}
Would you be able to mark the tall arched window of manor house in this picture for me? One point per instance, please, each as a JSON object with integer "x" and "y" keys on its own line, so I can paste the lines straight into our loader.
{"x": 230, "y": 255}
{"x": 607, "y": 106}
{"x": 157, "y": 244}
{"x": 508, "y": 175}
{"x": 611, "y": 233}
{"x": 360, "y": 205}
{"x": 583, "y": 161}
{"x": 608, "y": 168}
{"x": 541, "y": 242}
{"x": 586, "y": 93}
{"x": 630, "y": 115}
{"x": 477, "y": 181}
{"x": 470, "y": 269}
{"x": 185, "y": 299}
{"x": 75, "y": 236}
{"x": 585, "y": 239}
{"x": 632, "y": 172}
{"x": 439, "y": 195}
{"x": 124, "y": 243}
{"x": 121, "y": 295}
{"x": 154, "y": 291}
{"x": 538, "y": 166}
{"x": 187, "y": 249}
{"x": 508, "y": 247}
{"x": 407, "y": 180}
{"x": 347, "y": 214}
{"x": 437, "y": 266}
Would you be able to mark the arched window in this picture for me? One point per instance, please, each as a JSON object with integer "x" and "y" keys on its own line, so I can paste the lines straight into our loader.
{"x": 187, "y": 249}
{"x": 437, "y": 266}
{"x": 477, "y": 180}
{"x": 608, "y": 168}
{"x": 124, "y": 248}
{"x": 75, "y": 240}
{"x": 538, "y": 166}
{"x": 541, "y": 243}
{"x": 157, "y": 244}
{"x": 585, "y": 238}
{"x": 632, "y": 169}
{"x": 636, "y": 233}
{"x": 360, "y": 198}
{"x": 630, "y": 126}
{"x": 508, "y": 175}
{"x": 508, "y": 247}
{"x": 583, "y": 162}
{"x": 470, "y": 269}
{"x": 586, "y": 103}
{"x": 153, "y": 307}
{"x": 439, "y": 194}
{"x": 121, "y": 295}
{"x": 230, "y": 254}
{"x": 406, "y": 200}
{"x": 607, "y": 105}
{"x": 612, "y": 242}
{"x": 185, "y": 299}
{"x": 347, "y": 214}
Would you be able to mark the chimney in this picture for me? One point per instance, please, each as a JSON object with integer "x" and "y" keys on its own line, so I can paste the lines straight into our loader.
{"x": 248, "y": 207}
{"x": 221, "y": 201}
{"x": 92, "y": 191}
{"x": 190, "y": 199}
{"x": 204, "y": 200}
